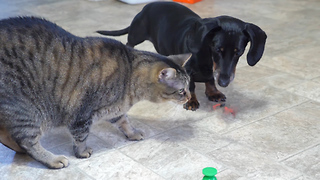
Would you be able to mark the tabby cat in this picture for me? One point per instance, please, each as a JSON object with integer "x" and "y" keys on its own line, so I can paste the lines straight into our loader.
{"x": 51, "y": 78}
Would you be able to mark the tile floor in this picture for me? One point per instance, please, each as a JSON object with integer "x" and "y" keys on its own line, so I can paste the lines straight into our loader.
{"x": 274, "y": 135}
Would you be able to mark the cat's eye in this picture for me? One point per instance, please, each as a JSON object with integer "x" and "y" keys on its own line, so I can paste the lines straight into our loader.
{"x": 181, "y": 91}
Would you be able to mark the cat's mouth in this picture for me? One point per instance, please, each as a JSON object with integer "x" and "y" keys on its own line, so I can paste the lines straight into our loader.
{"x": 182, "y": 101}
{"x": 185, "y": 99}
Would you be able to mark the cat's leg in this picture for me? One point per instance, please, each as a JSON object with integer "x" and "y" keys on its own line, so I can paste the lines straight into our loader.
{"x": 80, "y": 133}
{"x": 124, "y": 125}
{"x": 29, "y": 140}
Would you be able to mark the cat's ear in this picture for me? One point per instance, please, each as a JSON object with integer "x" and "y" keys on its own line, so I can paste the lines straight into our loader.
{"x": 180, "y": 59}
{"x": 167, "y": 73}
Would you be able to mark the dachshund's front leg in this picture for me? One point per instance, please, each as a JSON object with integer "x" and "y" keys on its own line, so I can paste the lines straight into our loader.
{"x": 213, "y": 93}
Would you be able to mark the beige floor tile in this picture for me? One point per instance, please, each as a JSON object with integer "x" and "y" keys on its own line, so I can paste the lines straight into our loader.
{"x": 115, "y": 165}
{"x": 283, "y": 134}
{"x": 251, "y": 164}
{"x": 56, "y": 137}
{"x": 228, "y": 174}
{"x": 306, "y": 162}
{"x": 248, "y": 74}
{"x": 304, "y": 178}
{"x": 317, "y": 80}
{"x": 113, "y": 136}
{"x": 21, "y": 166}
{"x": 97, "y": 145}
{"x": 170, "y": 159}
{"x": 294, "y": 66}
{"x": 167, "y": 116}
{"x": 309, "y": 89}
{"x": 283, "y": 80}
{"x": 198, "y": 138}
{"x": 251, "y": 102}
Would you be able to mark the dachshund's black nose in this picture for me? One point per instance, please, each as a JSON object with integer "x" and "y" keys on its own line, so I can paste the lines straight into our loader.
{"x": 223, "y": 80}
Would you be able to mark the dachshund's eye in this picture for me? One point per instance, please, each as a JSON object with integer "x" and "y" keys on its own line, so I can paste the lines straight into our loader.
{"x": 237, "y": 52}
{"x": 219, "y": 50}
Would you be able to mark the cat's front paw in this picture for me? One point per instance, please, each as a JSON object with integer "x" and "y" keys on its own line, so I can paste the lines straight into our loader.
{"x": 136, "y": 135}
{"x": 58, "y": 162}
{"x": 192, "y": 104}
{"x": 86, "y": 153}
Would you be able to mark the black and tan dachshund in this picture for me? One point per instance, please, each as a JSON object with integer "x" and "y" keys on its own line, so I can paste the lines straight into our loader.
{"x": 216, "y": 43}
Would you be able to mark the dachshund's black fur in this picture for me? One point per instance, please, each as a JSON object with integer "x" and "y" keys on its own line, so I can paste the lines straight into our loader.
{"x": 216, "y": 43}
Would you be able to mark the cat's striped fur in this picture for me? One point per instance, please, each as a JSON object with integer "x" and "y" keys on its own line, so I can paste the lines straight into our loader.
{"x": 50, "y": 78}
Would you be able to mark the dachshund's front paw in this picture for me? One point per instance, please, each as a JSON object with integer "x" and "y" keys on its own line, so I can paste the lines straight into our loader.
{"x": 192, "y": 104}
{"x": 216, "y": 96}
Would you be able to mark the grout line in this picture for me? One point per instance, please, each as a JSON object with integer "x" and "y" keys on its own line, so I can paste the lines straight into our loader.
{"x": 299, "y": 152}
{"x": 302, "y": 177}
{"x": 140, "y": 163}
{"x": 83, "y": 172}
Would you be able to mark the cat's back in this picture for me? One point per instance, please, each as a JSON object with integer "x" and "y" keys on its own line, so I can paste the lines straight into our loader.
{"x": 47, "y": 68}
{"x": 23, "y": 21}
{"x": 29, "y": 46}
{"x": 25, "y": 25}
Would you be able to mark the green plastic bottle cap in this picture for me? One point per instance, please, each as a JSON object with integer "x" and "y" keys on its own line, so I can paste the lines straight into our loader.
{"x": 209, "y": 171}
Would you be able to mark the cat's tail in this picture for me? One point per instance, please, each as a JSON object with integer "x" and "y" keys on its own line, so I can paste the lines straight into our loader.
{"x": 115, "y": 33}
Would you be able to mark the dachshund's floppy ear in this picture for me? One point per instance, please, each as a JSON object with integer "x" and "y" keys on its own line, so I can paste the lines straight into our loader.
{"x": 198, "y": 31}
{"x": 257, "y": 38}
